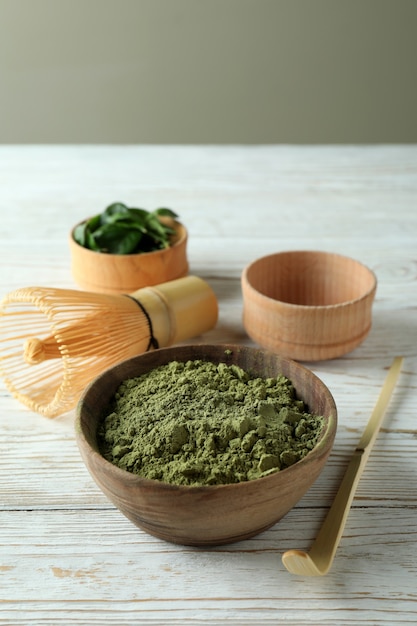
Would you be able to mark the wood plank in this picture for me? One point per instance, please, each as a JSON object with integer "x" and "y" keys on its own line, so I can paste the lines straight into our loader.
{"x": 116, "y": 568}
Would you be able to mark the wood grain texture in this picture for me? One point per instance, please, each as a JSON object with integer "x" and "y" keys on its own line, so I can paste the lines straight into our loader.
{"x": 67, "y": 556}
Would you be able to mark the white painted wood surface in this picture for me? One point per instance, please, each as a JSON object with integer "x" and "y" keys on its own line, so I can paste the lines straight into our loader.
{"x": 66, "y": 555}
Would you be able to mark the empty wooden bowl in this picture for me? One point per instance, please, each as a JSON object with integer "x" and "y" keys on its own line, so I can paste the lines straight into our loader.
{"x": 308, "y": 305}
{"x": 213, "y": 514}
{"x": 124, "y": 273}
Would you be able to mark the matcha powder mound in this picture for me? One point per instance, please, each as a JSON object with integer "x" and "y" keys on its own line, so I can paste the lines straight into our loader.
{"x": 200, "y": 423}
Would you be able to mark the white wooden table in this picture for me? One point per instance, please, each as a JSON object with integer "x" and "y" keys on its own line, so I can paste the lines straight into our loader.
{"x": 67, "y": 556}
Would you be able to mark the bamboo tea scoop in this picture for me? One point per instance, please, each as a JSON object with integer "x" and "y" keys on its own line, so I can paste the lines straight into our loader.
{"x": 319, "y": 560}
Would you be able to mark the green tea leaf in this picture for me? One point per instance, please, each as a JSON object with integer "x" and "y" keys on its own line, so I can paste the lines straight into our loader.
{"x": 154, "y": 226}
{"x": 165, "y": 212}
{"x": 115, "y": 208}
{"x": 123, "y": 230}
{"x": 138, "y": 215}
{"x": 80, "y": 234}
{"x": 127, "y": 244}
{"x": 93, "y": 223}
{"x": 114, "y": 213}
{"x": 117, "y": 238}
{"x": 91, "y": 242}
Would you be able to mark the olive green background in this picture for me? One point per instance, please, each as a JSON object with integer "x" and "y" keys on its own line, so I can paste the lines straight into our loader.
{"x": 208, "y": 71}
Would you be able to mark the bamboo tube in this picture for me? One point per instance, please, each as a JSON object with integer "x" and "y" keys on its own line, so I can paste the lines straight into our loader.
{"x": 55, "y": 341}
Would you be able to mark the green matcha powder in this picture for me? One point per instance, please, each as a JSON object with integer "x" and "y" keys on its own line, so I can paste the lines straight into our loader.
{"x": 200, "y": 423}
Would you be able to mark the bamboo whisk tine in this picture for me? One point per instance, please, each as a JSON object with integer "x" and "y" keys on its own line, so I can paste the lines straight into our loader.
{"x": 55, "y": 341}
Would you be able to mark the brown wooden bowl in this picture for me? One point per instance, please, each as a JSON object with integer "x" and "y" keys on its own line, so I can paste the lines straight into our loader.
{"x": 213, "y": 514}
{"x": 308, "y": 305}
{"x": 124, "y": 273}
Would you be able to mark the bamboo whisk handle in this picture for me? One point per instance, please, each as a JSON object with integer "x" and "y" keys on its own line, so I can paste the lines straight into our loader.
{"x": 179, "y": 309}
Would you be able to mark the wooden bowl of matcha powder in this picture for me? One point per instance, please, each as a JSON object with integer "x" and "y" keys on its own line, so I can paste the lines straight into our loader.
{"x": 206, "y": 444}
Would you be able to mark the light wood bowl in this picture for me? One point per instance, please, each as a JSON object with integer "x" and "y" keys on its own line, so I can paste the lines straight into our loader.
{"x": 215, "y": 514}
{"x": 308, "y": 305}
{"x": 124, "y": 273}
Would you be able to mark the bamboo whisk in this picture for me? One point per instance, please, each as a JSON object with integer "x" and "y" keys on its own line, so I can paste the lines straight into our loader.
{"x": 55, "y": 341}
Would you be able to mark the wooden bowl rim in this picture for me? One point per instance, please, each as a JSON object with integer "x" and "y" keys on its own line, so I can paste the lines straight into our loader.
{"x": 329, "y": 430}
{"x": 319, "y": 307}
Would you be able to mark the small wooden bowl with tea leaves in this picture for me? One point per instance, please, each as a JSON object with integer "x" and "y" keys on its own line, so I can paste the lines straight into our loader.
{"x": 125, "y": 248}
{"x": 206, "y": 444}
